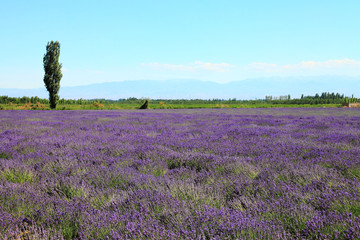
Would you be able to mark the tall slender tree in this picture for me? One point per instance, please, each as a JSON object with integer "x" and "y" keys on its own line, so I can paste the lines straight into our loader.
{"x": 52, "y": 69}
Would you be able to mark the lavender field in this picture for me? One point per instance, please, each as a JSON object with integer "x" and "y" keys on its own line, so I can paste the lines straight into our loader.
{"x": 180, "y": 174}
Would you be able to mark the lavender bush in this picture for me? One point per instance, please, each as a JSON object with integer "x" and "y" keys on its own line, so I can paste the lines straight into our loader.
{"x": 180, "y": 174}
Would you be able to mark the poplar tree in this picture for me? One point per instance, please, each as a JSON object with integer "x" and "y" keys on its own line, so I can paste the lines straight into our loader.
{"x": 52, "y": 69}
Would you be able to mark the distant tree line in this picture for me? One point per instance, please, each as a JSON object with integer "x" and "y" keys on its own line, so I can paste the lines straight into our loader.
{"x": 324, "y": 98}
{"x": 22, "y": 100}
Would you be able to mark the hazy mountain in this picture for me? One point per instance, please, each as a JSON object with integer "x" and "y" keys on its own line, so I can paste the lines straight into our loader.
{"x": 176, "y": 89}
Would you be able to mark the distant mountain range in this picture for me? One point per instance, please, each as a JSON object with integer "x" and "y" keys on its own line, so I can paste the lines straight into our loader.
{"x": 191, "y": 89}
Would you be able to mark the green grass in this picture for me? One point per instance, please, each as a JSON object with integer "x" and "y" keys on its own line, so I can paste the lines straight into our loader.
{"x": 354, "y": 172}
{"x": 69, "y": 229}
{"x": 69, "y": 192}
{"x": 5, "y": 155}
{"x": 347, "y": 207}
{"x": 18, "y": 176}
{"x": 157, "y": 105}
{"x": 100, "y": 201}
{"x": 16, "y": 204}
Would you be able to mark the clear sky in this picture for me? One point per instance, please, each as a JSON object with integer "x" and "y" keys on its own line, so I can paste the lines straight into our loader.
{"x": 220, "y": 41}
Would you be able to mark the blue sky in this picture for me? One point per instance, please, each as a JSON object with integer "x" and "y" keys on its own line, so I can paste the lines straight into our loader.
{"x": 218, "y": 41}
